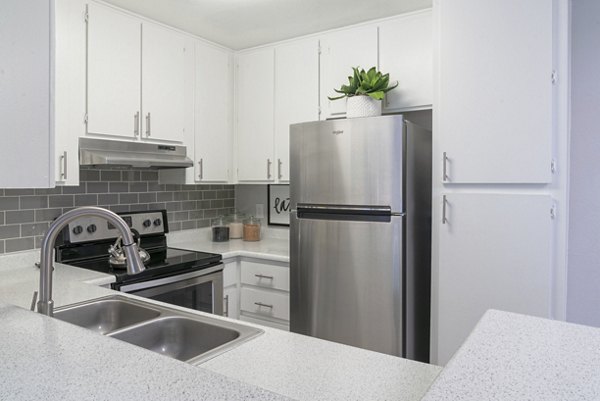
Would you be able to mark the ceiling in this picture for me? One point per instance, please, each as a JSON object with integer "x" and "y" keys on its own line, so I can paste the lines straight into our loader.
{"x": 239, "y": 24}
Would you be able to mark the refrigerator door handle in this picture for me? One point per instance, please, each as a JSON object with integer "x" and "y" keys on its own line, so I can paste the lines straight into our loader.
{"x": 345, "y": 212}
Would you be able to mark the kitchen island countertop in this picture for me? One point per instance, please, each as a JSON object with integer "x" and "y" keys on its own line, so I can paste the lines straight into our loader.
{"x": 274, "y": 365}
{"x": 512, "y": 357}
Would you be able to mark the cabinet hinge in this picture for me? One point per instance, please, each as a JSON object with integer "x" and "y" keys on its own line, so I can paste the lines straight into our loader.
{"x": 86, "y": 16}
{"x": 553, "y": 212}
{"x": 319, "y": 110}
{"x": 554, "y": 76}
{"x": 553, "y": 166}
{"x": 85, "y": 119}
{"x": 319, "y": 48}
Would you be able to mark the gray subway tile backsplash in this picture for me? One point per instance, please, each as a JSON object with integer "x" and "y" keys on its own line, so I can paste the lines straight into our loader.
{"x": 20, "y": 244}
{"x": 12, "y": 231}
{"x": 25, "y": 214}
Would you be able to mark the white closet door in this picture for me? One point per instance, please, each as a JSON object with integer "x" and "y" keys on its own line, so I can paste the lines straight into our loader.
{"x": 114, "y": 55}
{"x": 495, "y": 106}
{"x": 163, "y": 83}
{"x": 495, "y": 252}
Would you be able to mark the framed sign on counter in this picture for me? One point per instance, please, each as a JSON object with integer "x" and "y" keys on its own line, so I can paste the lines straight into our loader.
{"x": 279, "y": 205}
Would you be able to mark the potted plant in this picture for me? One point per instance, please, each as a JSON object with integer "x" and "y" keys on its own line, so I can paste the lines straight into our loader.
{"x": 365, "y": 91}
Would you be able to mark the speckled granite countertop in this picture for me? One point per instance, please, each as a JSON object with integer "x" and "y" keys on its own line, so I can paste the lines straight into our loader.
{"x": 46, "y": 359}
{"x": 50, "y": 361}
{"x": 274, "y": 245}
{"x": 511, "y": 357}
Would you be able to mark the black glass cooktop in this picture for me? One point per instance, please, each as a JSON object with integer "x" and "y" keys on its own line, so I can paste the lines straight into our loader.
{"x": 163, "y": 262}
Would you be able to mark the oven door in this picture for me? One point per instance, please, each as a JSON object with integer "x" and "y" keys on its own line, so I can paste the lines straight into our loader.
{"x": 201, "y": 290}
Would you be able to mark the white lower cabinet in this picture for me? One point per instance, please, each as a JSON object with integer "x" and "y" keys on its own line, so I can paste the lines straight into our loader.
{"x": 265, "y": 304}
{"x": 257, "y": 291}
{"x": 231, "y": 302}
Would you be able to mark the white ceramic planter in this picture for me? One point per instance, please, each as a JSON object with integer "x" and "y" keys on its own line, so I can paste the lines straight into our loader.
{"x": 362, "y": 106}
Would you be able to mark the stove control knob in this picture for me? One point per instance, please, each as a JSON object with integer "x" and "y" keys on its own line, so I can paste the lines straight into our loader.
{"x": 147, "y": 223}
{"x": 91, "y": 228}
{"x": 157, "y": 222}
{"x": 77, "y": 230}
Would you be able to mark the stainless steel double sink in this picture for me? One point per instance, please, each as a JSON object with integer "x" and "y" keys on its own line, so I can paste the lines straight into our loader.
{"x": 184, "y": 336}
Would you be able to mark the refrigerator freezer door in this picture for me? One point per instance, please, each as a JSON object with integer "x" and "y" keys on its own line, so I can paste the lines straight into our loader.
{"x": 347, "y": 162}
{"x": 347, "y": 283}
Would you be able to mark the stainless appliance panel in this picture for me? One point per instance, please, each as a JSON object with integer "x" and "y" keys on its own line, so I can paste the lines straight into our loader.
{"x": 347, "y": 162}
{"x": 202, "y": 290}
{"x": 347, "y": 281}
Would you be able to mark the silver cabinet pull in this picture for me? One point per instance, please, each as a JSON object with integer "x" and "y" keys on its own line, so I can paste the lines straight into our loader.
{"x": 269, "y": 168}
{"x": 260, "y": 305}
{"x": 226, "y": 311}
{"x": 444, "y": 202}
{"x": 279, "y": 168}
{"x": 33, "y": 301}
{"x": 201, "y": 167}
{"x": 445, "y": 168}
{"x": 148, "y": 124}
{"x": 261, "y": 276}
{"x": 63, "y": 165}
{"x": 136, "y": 124}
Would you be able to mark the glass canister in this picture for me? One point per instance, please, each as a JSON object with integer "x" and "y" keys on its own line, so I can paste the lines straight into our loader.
{"x": 251, "y": 229}
{"x": 236, "y": 225}
{"x": 220, "y": 229}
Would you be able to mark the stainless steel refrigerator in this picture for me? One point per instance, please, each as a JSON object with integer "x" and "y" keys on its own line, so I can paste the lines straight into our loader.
{"x": 360, "y": 233}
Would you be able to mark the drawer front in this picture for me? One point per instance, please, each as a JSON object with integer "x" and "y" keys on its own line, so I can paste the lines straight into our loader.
{"x": 264, "y": 303}
{"x": 268, "y": 276}
{"x": 265, "y": 322}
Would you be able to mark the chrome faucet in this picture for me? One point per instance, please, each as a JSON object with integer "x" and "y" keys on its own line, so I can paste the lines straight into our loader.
{"x": 134, "y": 263}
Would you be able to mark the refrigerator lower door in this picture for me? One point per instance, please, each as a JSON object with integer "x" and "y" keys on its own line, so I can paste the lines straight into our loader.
{"x": 347, "y": 281}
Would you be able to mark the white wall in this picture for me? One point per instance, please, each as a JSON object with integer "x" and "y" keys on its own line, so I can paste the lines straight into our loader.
{"x": 583, "y": 293}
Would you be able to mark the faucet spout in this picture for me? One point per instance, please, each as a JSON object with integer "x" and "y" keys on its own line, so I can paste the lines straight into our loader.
{"x": 135, "y": 265}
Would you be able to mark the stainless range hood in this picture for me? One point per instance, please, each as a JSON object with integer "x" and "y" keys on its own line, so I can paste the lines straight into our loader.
{"x": 102, "y": 152}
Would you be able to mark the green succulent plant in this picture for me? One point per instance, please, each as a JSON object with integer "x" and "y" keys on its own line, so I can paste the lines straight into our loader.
{"x": 366, "y": 83}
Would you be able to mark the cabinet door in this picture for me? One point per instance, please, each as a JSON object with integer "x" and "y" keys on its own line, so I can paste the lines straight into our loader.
{"x": 296, "y": 100}
{"x": 25, "y": 99}
{"x": 406, "y": 53}
{"x": 113, "y": 72}
{"x": 214, "y": 108}
{"x": 494, "y": 253}
{"x": 163, "y": 83}
{"x": 340, "y": 51}
{"x": 69, "y": 88}
{"x": 231, "y": 303}
{"x": 255, "y": 78}
{"x": 494, "y": 110}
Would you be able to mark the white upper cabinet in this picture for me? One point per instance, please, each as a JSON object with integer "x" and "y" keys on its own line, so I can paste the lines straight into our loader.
{"x": 296, "y": 95}
{"x": 340, "y": 51}
{"x": 255, "y": 91}
{"x": 495, "y": 252}
{"x": 163, "y": 83}
{"x": 406, "y": 53}
{"x": 495, "y": 100}
{"x": 26, "y": 154}
{"x": 69, "y": 88}
{"x": 214, "y": 113}
{"x": 113, "y": 72}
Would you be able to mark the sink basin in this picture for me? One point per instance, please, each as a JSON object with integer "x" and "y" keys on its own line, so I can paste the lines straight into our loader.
{"x": 185, "y": 336}
{"x": 106, "y": 315}
{"x": 177, "y": 337}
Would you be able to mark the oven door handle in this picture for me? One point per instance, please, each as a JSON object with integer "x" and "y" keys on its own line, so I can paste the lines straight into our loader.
{"x": 171, "y": 279}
